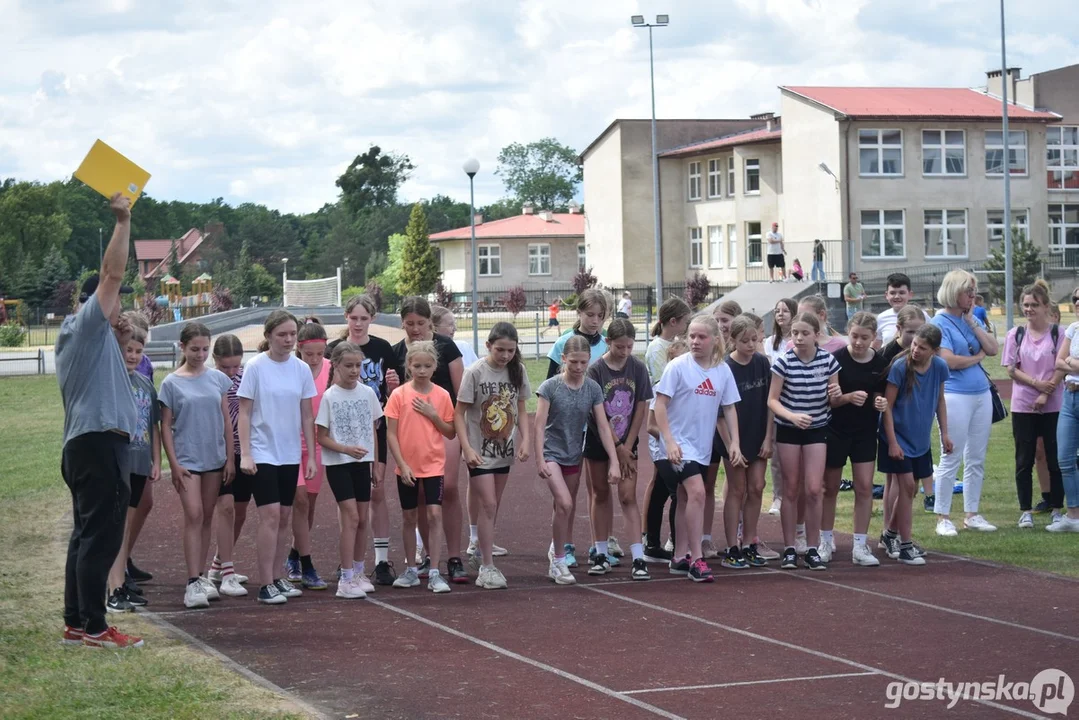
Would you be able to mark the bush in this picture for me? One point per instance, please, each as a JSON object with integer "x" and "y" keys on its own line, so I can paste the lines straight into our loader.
{"x": 570, "y": 302}
{"x": 583, "y": 280}
{"x": 12, "y": 334}
{"x": 515, "y": 300}
{"x": 350, "y": 292}
{"x": 375, "y": 291}
{"x": 221, "y": 300}
{"x": 155, "y": 314}
{"x": 697, "y": 289}
{"x": 443, "y": 296}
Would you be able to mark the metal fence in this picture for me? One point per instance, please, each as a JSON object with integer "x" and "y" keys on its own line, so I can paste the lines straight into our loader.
{"x": 828, "y": 269}
{"x": 22, "y": 363}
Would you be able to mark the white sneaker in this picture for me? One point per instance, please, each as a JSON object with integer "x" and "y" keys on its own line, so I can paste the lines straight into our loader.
{"x": 210, "y": 588}
{"x": 420, "y": 555}
{"x": 669, "y": 545}
{"x": 436, "y": 583}
{"x": 708, "y": 549}
{"x": 862, "y": 555}
{"x": 473, "y": 547}
{"x": 231, "y": 586}
{"x": 363, "y": 583}
{"x": 1064, "y": 524}
{"x": 776, "y": 504}
{"x": 825, "y": 552}
{"x": 195, "y": 596}
{"x": 979, "y": 523}
{"x": 491, "y": 578}
{"x": 831, "y": 544}
{"x": 214, "y": 576}
{"x": 613, "y": 548}
{"x": 945, "y": 528}
{"x": 1026, "y": 520}
{"x": 350, "y": 590}
{"x": 240, "y": 578}
{"x": 800, "y": 545}
{"x": 1055, "y": 516}
{"x": 766, "y": 552}
{"x": 560, "y": 573}
{"x": 499, "y": 551}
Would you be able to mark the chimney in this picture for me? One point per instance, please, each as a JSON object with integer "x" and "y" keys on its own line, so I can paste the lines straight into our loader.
{"x": 767, "y": 117}
{"x": 995, "y": 82}
{"x": 478, "y": 218}
{"x": 574, "y": 208}
{"x": 527, "y": 209}
{"x": 546, "y": 216}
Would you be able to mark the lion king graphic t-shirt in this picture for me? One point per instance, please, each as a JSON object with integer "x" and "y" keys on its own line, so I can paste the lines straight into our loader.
{"x": 492, "y": 413}
{"x": 622, "y": 390}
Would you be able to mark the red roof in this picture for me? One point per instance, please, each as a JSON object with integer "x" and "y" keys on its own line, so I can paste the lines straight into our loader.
{"x": 152, "y": 249}
{"x": 560, "y": 225}
{"x": 915, "y": 103}
{"x": 743, "y": 138}
{"x": 160, "y": 250}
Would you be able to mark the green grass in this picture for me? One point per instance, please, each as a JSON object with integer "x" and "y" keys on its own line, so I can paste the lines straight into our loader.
{"x": 38, "y": 677}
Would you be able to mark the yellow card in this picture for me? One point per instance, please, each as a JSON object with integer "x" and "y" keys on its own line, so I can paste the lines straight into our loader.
{"x": 109, "y": 172}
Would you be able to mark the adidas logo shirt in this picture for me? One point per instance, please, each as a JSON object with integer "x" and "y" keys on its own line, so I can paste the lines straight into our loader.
{"x": 696, "y": 394}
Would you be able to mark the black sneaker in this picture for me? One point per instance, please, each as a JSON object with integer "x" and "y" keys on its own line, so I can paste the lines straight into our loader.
{"x": 656, "y": 555}
{"x": 890, "y": 545}
{"x": 134, "y": 596}
{"x": 639, "y": 571}
{"x": 1042, "y": 508}
{"x": 455, "y": 569}
{"x": 137, "y": 574}
{"x": 789, "y": 560}
{"x": 118, "y": 603}
{"x": 425, "y": 567}
{"x": 733, "y": 559}
{"x": 919, "y": 551}
{"x": 384, "y": 573}
{"x": 908, "y": 557}
{"x": 700, "y": 572}
{"x": 752, "y": 557}
{"x": 846, "y": 485}
{"x": 599, "y": 565}
{"x": 680, "y": 567}
{"x": 813, "y": 561}
{"x": 270, "y": 595}
{"x": 929, "y": 502}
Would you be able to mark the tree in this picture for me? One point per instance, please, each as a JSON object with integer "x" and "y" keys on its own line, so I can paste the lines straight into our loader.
{"x": 375, "y": 291}
{"x": 443, "y": 295}
{"x": 391, "y": 276}
{"x": 1026, "y": 266}
{"x": 373, "y": 178}
{"x": 54, "y": 272}
{"x": 544, "y": 172}
{"x": 515, "y": 300}
{"x": 501, "y": 209}
{"x": 420, "y": 265}
{"x": 697, "y": 288}
{"x": 444, "y": 213}
{"x": 583, "y": 280}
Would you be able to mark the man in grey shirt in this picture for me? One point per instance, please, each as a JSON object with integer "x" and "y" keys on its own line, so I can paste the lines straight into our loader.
{"x": 99, "y": 420}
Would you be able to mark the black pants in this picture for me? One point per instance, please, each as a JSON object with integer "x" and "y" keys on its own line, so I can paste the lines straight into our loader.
{"x": 1027, "y": 428}
{"x": 654, "y": 513}
{"x": 94, "y": 467}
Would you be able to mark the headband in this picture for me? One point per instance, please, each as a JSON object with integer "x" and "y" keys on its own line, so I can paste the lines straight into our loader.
{"x": 311, "y": 340}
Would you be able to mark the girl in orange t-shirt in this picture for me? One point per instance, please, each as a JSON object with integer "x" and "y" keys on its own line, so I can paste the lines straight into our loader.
{"x": 418, "y": 415}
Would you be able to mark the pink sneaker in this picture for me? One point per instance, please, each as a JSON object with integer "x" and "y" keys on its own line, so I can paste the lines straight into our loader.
{"x": 700, "y": 572}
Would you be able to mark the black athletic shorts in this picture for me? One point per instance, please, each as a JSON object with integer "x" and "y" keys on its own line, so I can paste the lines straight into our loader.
{"x": 593, "y": 448}
{"x": 241, "y": 486}
{"x": 921, "y": 467}
{"x": 380, "y": 438}
{"x": 138, "y": 485}
{"x": 350, "y": 481}
{"x": 858, "y": 447}
{"x": 793, "y": 436}
{"x": 477, "y": 472}
{"x": 672, "y": 477}
{"x": 777, "y": 261}
{"x": 275, "y": 484}
{"x": 410, "y": 496}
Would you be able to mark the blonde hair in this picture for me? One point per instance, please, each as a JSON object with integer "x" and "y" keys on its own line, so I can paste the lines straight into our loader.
{"x": 820, "y": 307}
{"x": 863, "y": 319}
{"x": 954, "y": 283}
{"x": 719, "y": 349}
{"x": 420, "y": 347}
{"x": 909, "y": 312}
{"x": 730, "y": 308}
{"x": 137, "y": 319}
{"x": 136, "y": 334}
{"x": 678, "y": 346}
{"x": 438, "y": 314}
{"x": 744, "y": 323}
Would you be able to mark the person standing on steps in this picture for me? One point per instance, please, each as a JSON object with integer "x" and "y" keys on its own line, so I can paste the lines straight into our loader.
{"x": 816, "y": 273}
{"x": 100, "y": 419}
{"x": 777, "y": 254}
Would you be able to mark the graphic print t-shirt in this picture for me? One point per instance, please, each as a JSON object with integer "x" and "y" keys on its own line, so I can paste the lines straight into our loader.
{"x": 492, "y": 413}
{"x": 350, "y": 417}
{"x": 622, "y": 390}
{"x": 753, "y": 381}
{"x": 140, "y": 447}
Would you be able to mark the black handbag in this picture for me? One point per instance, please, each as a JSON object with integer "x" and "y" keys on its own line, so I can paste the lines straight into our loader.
{"x": 999, "y": 411}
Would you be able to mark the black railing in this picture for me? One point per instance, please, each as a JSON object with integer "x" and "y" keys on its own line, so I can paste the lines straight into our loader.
{"x": 828, "y": 269}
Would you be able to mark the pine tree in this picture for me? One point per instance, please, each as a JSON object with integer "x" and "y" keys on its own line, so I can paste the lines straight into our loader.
{"x": 420, "y": 266}
{"x": 1026, "y": 266}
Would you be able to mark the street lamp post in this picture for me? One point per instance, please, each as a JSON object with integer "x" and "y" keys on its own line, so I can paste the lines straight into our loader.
{"x": 1009, "y": 300}
{"x": 471, "y": 167}
{"x": 284, "y": 282}
{"x": 100, "y": 250}
{"x": 638, "y": 22}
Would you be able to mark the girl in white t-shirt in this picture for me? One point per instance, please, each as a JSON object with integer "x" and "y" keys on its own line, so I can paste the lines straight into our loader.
{"x": 693, "y": 387}
{"x": 275, "y": 407}
{"x": 345, "y": 425}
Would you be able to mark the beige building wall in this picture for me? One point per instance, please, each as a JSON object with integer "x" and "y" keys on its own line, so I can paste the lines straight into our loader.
{"x": 513, "y": 252}
{"x": 454, "y": 259}
{"x": 604, "y": 199}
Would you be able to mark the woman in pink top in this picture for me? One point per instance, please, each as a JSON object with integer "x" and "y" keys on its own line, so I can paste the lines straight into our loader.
{"x": 1037, "y": 393}
{"x": 311, "y": 348}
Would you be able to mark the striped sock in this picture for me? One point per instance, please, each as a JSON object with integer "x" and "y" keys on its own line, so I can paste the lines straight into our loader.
{"x": 226, "y": 569}
{"x": 382, "y": 550}
{"x": 216, "y": 564}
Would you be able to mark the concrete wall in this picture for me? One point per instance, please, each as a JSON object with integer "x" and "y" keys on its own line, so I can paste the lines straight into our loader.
{"x": 454, "y": 265}
{"x": 1058, "y": 90}
{"x": 603, "y": 194}
{"x": 514, "y": 255}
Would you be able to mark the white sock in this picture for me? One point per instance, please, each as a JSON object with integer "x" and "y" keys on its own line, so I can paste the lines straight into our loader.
{"x": 637, "y": 551}
{"x": 419, "y": 540}
{"x": 473, "y": 533}
{"x": 346, "y": 574}
{"x": 826, "y": 536}
{"x": 859, "y": 539}
{"x": 706, "y": 538}
{"x": 601, "y": 547}
{"x": 382, "y": 550}
{"x": 800, "y": 529}
{"x": 357, "y": 567}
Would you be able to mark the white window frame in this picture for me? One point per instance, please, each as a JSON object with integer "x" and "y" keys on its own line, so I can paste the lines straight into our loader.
{"x": 715, "y": 246}
{"x": 715, "y": 179}
{"x": 492, "y": 255}
{"x": 732, "y": 245}
{"x": 752, "y": 164}
{"x": 694, "y": 190}
{"x": 1065, "y": 152}
{"x": 730, "y": 176}
{"x": 1012, "y": 148}
{"x": 952, "y": 224}
{"x": 994, "y": 227}
{"x": 696, "y": 248}
{"x": 539, "y": 252}
{"x": 752, "y": 237}
{"x": 882, "y": 226}
{"x": 1058, "y": 231}
{"x": 941, "y": 146}
{"x": 879, "y": 147}
{"x": 582, "y": 257}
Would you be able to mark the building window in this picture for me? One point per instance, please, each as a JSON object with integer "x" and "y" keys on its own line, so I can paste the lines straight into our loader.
{"x": 1062, "y": 157}
{"x": 945, "y": 233}
{"x": 715, "y": 246}
{"x": 715, "y": 179}
{"x": 730, "y": 176}
{"x": 994, "y": 152}
{"x": 490, "y": 260}
{"x": 696, "y": 248}
{"x": 880, "y": 152}
{"x": 883, "y": 234}
{"x": 994, "y": 223}
{"x": 944, "y": 152}
{"x": 753, "y": 177}
{"x": 1063, "y": 227}
{"x": 582, "y": 257}
{"x": 539, "y": 259}
{"x": 753, "y": 244}
{"x": 732, "y": 245}
{"x": 694, "y": 181}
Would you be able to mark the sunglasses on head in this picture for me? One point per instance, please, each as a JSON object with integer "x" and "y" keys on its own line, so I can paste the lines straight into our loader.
{"x": 1075, "y": 299}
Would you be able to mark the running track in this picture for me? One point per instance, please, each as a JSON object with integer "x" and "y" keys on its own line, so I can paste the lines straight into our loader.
{"x": 755, "y": 643}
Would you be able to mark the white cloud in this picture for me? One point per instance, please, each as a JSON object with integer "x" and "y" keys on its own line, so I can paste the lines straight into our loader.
{"x": 269, "y": 101}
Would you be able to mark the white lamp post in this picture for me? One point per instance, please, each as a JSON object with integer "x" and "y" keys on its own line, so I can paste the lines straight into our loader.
{"x": 471, "y": 167}
{"x": 284, "y": 283}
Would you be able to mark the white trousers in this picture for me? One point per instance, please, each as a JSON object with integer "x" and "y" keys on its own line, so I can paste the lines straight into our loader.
{"x": 970, "y": 420}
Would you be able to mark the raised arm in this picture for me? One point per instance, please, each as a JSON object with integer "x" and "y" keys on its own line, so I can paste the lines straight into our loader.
{"x": 114, "y": 259}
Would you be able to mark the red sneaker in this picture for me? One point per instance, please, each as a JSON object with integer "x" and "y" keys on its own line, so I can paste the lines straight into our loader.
{"x": 111, "y": 639}
{"x": 72, "y": 636}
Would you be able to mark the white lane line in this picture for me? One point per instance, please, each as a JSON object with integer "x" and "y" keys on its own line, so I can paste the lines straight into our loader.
{"x": 746, "y": 682}
{"x": 529, "y": 661}
{"x": 927, "y": 605}
{"x": 792, "y": 646}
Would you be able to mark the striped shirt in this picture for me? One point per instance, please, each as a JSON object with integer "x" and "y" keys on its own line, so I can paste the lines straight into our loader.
{"x": 234, "y": 409}
{"x": 805, "y": 385}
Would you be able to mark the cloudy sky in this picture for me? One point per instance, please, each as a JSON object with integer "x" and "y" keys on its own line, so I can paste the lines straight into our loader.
{"x": 269, "y": 101}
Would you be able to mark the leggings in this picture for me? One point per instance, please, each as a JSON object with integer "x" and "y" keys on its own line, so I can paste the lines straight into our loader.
{"x": 654, "y": 513}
